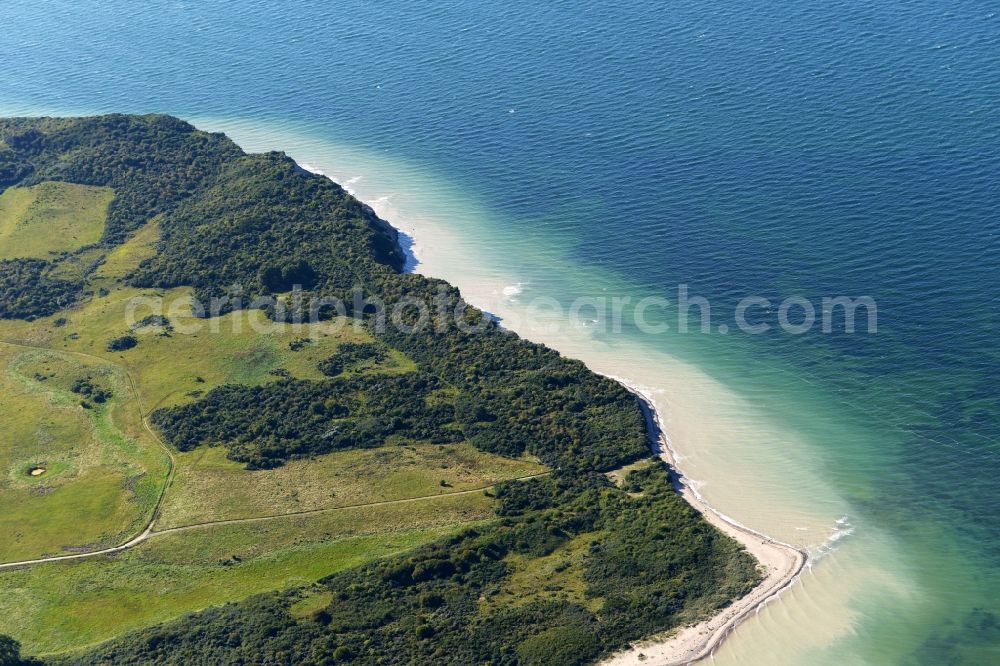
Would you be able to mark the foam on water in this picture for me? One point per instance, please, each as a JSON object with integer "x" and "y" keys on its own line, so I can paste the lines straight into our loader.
{"x": 512, "y": 290}
{"x": 842, "y": 530}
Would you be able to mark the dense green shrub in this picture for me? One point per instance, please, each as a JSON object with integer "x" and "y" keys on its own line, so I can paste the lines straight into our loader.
{"x": 13, "y": 168}
{"x": 122, "y": 343}
{"x": 351, "y": 355}
{"x": 10, "y": 653}
{"x": 85, "y": 386}
{"x": 559, "y": 646}
{"x": 266, "y": 225}
{"x": 27, "y": 290}
{"x": 264, "y": 426}
{"x": 153, "y": 320}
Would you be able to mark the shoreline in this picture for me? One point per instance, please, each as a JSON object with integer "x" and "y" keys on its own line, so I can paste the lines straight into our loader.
{"x": 783, "y": 563}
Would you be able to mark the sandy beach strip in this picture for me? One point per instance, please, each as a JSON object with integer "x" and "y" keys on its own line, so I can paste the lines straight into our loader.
{"x": 782, "y": 564}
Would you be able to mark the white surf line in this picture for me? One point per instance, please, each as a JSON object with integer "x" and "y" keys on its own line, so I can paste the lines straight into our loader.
{"x": 783, "y": 561}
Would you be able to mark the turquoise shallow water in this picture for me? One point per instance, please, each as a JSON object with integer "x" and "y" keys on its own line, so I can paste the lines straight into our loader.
{"x": 582, "y": 149}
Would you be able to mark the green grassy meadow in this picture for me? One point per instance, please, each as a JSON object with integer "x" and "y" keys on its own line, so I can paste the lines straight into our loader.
{"x": 172, "y": 367}
{"x": 98, "y": 473}
{"x": 50, "y": 218}
{"x": 104, "y": 471}
{"x": 558, "y": 575}
{"x": 63, "y": 605}
{"x": 208, "y": 486}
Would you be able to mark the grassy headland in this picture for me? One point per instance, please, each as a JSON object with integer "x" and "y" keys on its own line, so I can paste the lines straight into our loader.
{"x": 371, "y": 469}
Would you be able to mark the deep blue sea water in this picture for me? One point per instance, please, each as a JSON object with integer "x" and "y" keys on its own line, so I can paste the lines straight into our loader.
{"x": 774, "y": 148}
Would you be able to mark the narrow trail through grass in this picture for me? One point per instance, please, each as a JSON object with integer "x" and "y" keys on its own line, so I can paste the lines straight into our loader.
{"x": 171, "y": 465}
{"x": 149, "y": 530}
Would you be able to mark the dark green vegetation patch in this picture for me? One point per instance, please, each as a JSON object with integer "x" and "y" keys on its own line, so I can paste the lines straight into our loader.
{"x": 28, "y": 290}
{"x": 350, "y": 356}
{"x": 266, "y": 425}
